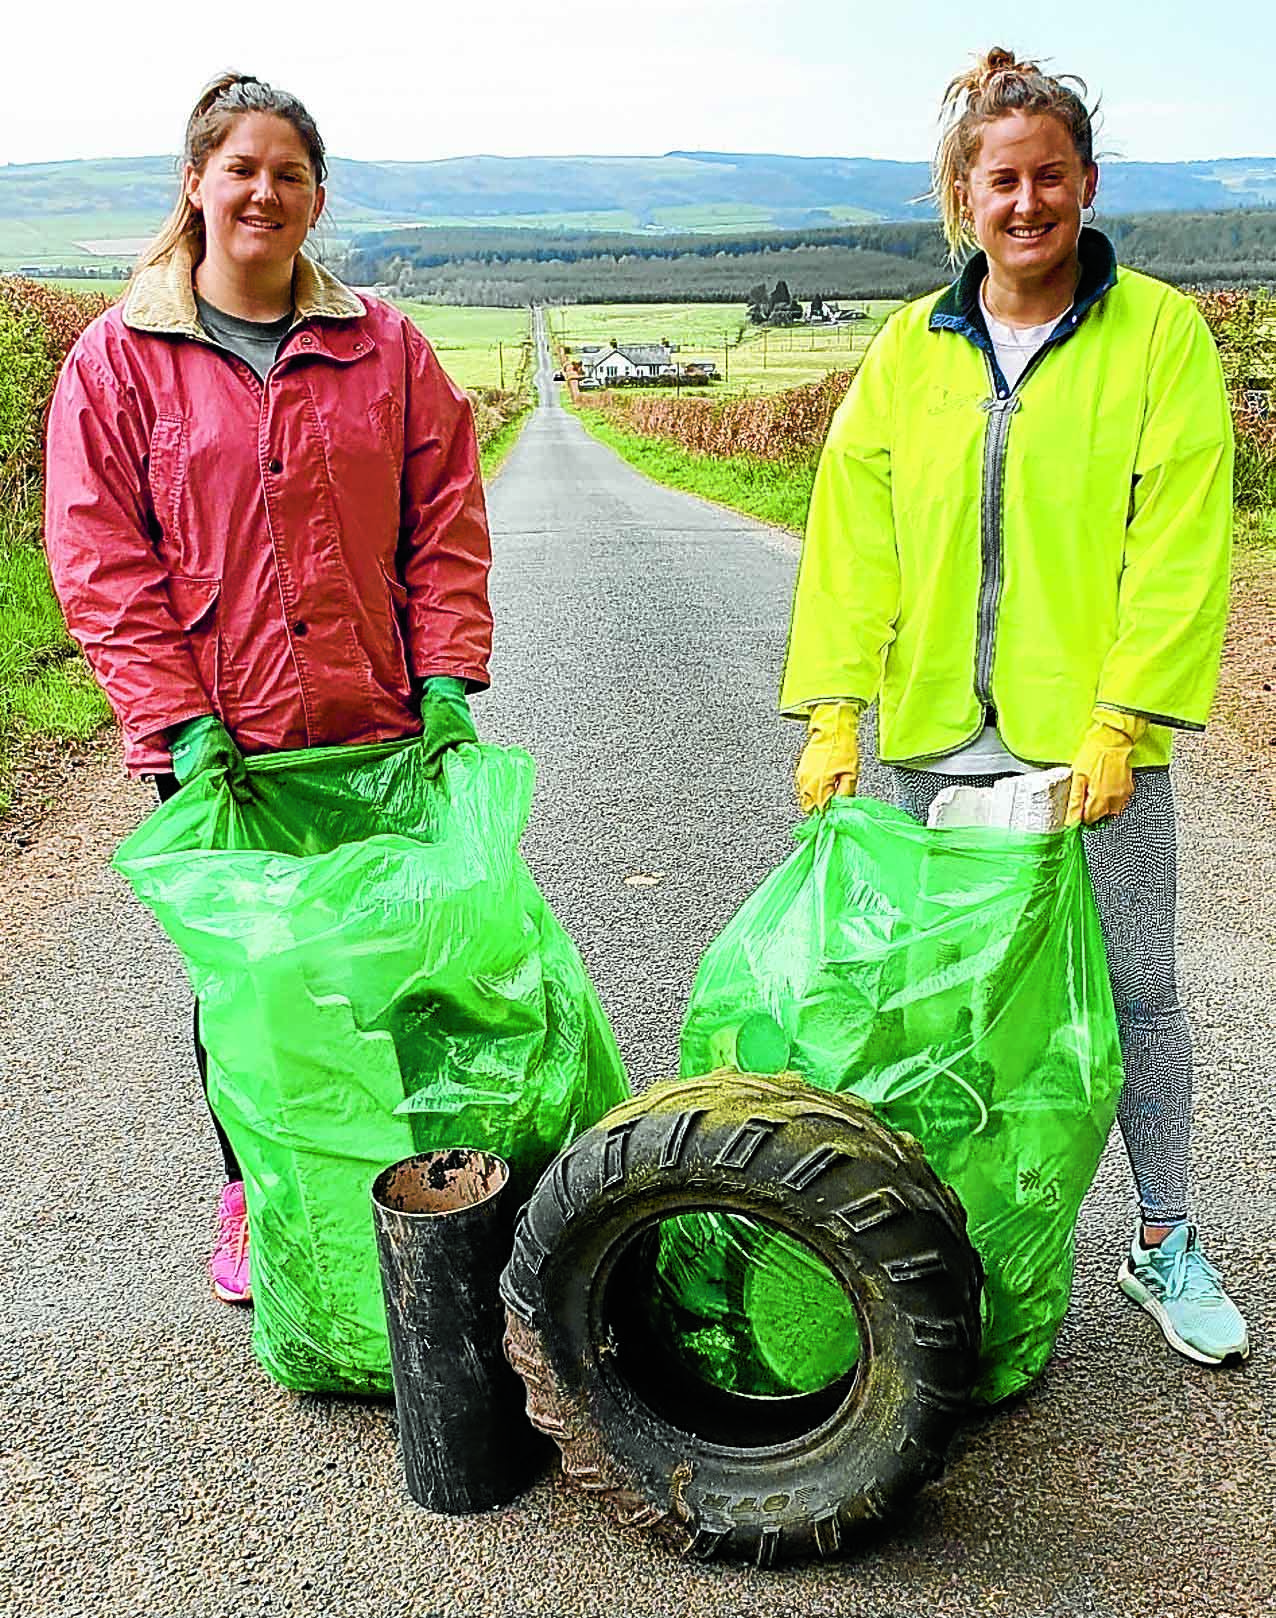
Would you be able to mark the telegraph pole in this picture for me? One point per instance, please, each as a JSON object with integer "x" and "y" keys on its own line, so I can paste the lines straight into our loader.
{"x": 500, "y": 360}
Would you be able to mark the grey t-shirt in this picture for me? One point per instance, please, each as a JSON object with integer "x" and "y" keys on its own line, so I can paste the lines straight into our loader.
{"x": 254, "y": 341}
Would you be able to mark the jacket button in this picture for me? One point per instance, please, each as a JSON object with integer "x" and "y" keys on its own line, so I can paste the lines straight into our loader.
{"x": 307, "y": 342}
{"x": 274, "y": 466}
{"x": 358, "y": 348}
{"x": 299, "y": 628}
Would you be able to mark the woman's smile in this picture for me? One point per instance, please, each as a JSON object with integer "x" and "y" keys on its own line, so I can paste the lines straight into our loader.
{"x": 258, "y": 183}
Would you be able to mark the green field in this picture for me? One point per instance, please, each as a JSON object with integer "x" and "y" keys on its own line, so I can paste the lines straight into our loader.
{"x": 750, "y": 359}
{"x": 112, "y": 289}
{"x": 53, "y": 240}
{"x": 700, "y": 329}
{"x": 474, "y": 344}
{"x": 50, "y": 240}
{"x": 768, "y": 361}
{"x": 47, "y": 240}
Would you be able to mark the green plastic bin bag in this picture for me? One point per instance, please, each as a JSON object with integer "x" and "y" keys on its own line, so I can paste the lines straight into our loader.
{"x": 738, "y": 1300}
{"x": 956, "y": 981}
{"x": 377, "y": 975}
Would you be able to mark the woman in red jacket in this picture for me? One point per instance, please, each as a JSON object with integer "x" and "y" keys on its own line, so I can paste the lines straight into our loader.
{"x": 264, "y": 516}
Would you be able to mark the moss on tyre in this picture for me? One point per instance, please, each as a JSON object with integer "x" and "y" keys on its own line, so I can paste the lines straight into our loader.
{"x": 722, "y": 1473}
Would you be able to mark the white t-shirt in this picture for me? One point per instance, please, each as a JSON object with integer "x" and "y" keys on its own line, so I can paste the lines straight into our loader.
{"x": 1014, "y": 347}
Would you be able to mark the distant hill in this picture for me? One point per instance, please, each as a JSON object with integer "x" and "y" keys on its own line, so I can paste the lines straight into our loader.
{"x": 48, "y": 211}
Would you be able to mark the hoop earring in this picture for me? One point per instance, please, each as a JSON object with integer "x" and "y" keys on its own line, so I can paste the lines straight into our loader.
{"x": 1089, "y": 208}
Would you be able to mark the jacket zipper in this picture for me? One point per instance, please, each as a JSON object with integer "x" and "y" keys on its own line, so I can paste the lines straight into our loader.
{"x": 999, "y": 408}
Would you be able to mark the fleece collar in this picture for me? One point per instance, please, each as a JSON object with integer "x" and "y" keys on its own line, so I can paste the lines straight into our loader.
{"x": 161, "y": 298}
{"x": 958, "y": 308}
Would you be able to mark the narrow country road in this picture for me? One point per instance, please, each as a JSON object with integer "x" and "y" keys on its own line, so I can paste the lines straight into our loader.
{"x": 149, "y": 1467}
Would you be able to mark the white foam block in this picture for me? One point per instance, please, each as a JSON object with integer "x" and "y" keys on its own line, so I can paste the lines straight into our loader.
{"x": 1034, "y": 802}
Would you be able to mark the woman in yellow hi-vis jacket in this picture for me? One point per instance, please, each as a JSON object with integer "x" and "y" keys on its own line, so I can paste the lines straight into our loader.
{"x": 1018, "y": 547}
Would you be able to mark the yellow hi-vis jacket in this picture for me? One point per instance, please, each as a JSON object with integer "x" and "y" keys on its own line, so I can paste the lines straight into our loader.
{"x": 1036, "y": 550}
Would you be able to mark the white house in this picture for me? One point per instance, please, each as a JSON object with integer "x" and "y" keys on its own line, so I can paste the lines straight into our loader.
{"x": 634, "y": 360}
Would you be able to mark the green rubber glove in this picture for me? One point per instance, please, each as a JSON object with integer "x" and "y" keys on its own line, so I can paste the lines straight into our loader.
{"x": 445, "y": 717}
{"x": 204, "y": 745}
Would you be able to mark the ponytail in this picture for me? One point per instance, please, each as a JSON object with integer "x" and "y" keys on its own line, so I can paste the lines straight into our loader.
{"x": 221, "y": 103}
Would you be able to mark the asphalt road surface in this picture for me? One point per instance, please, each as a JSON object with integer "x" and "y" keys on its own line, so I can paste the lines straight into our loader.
{"x": 149, "y": 1466}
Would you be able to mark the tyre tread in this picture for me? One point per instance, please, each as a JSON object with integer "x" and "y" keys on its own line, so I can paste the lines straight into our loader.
{"x": 719, "y": 1125}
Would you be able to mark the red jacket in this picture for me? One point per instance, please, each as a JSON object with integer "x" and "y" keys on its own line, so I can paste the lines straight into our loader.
{"x": 285, "y": 556}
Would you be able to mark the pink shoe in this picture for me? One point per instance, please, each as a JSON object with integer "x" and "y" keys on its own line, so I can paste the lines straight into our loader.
{"x": 228, "y": 1267}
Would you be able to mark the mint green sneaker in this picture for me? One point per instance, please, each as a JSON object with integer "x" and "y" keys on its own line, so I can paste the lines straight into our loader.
{"x": 1183, "y": 1292}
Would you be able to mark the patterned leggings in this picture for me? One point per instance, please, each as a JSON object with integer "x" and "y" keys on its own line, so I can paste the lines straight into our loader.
{"x": 1132, "y": 871}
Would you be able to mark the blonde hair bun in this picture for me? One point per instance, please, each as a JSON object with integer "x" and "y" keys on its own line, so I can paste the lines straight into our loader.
{"x": 997, "y": 84}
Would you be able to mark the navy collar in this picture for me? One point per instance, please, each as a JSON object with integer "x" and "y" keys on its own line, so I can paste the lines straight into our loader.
{"x": 958, "y": 307}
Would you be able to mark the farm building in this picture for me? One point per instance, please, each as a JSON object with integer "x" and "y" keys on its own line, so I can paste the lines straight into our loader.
{"x": 636, "y": 362}
{"x": 831, "y": 314}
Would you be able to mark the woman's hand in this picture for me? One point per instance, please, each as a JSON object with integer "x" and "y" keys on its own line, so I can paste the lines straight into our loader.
{"x": 445, "y": 717}
{"x": 830, "y": 761}
{"x": 1102, "y": 780}
{"x": 203, "y": 745}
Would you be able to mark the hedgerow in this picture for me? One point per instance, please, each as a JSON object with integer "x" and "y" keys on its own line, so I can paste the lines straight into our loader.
{"x": 45, "y": 687}
{"x": 1244, "y": 327}
{"x": 790, "y": 427}
{"x": 38, "y": 325}
{"x": 787, "y": 427}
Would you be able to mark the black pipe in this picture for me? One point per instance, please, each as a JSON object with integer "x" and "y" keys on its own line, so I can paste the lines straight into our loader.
{"x": 445, "y": 1228}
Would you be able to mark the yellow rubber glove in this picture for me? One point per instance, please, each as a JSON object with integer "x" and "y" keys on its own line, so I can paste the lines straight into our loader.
{"x": 1102, "y": 781}
{"x": 830, "y": 761}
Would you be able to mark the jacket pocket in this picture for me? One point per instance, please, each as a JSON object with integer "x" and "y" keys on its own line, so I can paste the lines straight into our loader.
{"x": 386, "y": 414}
{"x": 193, "y": 603}
{"x": 191, "y": 600}
{"x": 398, "y": 591}
{"x": 166, "y": 475}
{"x": 397, "y": 611}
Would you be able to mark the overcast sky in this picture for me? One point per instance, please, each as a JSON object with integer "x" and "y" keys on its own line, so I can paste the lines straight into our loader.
{"x": 1179, "y": 78}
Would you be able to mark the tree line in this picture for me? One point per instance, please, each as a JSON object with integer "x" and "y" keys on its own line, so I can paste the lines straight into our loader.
{"x": 511, "y": 267}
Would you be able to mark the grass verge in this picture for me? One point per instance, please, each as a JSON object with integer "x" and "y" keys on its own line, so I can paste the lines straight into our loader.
{"x": 46, "y": 689}
{"x": 1256, "y": 538}
{"x": 1247, "y": 690}
{"x": 492, "y": 455}
{"x": 771, "y": 492}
